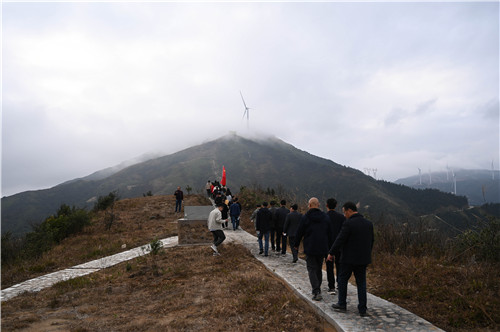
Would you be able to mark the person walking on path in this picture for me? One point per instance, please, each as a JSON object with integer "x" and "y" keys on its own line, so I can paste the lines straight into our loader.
{"x": 290, "y": 228}
{"x": 253, "y": 216}
{"x": 355, "y": 244}
{"x": 214, "y": 224}
{"x": 336, "y": 220}
{"x": 315, "y": 228}
{"x": 179, "y": 196}
{"x": 235, "y": 211}
{"x": 263, "y": 227}
{"x": 272, "y": 230}
{"x": 280, "y": 216}
{"x": 208, "y": 188}
{"x": 224, "y": 214}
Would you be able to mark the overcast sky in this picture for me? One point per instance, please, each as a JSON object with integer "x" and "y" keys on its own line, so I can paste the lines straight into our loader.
{"x": 392, "y": 86}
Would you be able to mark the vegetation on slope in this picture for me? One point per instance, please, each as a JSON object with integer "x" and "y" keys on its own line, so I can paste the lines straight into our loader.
{"x": 249, "y": 163}
{"x": 451, "y": 282}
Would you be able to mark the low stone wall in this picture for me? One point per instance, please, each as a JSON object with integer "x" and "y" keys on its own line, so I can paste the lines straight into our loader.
{"x": 193, "y": 232}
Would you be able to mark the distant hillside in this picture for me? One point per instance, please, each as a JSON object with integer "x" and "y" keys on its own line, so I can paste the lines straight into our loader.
{"x": 266, "y": 163}
{"x": 479, "y": 186}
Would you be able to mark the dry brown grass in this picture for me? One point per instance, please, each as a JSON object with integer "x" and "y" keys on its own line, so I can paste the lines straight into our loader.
{"x": 455, "y": 298}
{"x": 138, "y": 222}
{"x": 191, "y": 291}
{"x": 180, "y": 296}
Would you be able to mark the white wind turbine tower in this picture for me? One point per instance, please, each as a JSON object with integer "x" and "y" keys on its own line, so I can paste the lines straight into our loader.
{"x": 492, "y": 171}
{"x": 420, "y": 175}
{"x": 246, "y": 112}
{"x": 454, "y": 182}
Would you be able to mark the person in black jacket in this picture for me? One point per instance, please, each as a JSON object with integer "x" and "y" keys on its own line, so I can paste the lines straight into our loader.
{"x": 179, "y": 196}
{"x": 279, "y": 222}
{"x": 336, "y": 220}
{"x": 263, "y": 226}
{"x": 224, "y": 214}
{"x": 272, "y": 231}
{"x": 355, "y": 243}
{"x": 315, "y": 228}
{"x": 290, "y": 228}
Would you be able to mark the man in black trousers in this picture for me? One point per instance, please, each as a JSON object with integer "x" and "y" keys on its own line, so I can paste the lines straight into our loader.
{"x": 315, "y": 228}
{"x": 280, "y": 216}
{"x": 290, "y": 228}
{"x": 336, "y": 220}
{"x": 355, "y": 243}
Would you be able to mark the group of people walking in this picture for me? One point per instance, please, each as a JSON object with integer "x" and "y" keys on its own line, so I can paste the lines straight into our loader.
{"x": 343, "y": 241}
{"x": 225, "y": 207}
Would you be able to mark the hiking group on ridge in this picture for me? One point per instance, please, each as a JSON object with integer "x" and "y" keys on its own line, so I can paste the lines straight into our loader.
{"x": 343, "y": 241}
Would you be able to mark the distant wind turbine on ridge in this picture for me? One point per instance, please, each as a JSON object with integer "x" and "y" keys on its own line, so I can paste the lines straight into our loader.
{"x": 246, "y": 112}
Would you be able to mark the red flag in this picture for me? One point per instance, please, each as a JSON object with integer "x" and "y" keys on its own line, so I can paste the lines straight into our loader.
{"x": 223, "y": 181}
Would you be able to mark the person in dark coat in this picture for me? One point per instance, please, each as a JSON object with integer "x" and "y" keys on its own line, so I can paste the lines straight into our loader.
{"x": 336, "y": 220}
{"x": 234, "y": 211}
{"x": 179, "y": 196}
{"x": 279, "y": 222}
{"x": 272, "y": 231}
{"x": 292, "y": 221}
{"x": 355, "y": 243}
{"x": 315, "y": 228}
{"x": 263, "y": 227}
{"x": 224, "y": 214}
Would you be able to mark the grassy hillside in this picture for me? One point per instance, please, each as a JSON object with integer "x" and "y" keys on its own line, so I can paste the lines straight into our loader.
{"x": 175, "y": 290}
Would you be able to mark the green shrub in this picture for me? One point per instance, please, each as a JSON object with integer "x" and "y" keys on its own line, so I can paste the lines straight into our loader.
{"x": 54, "y": 229}
{"x": 11, "y": 248}
{"x": 104, "y": 202}
{"x": 483, "y": 244}
{"x": 156, "y": 246}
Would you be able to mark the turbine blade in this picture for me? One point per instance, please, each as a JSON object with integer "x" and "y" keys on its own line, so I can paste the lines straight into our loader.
{"x": 243, "y": 100}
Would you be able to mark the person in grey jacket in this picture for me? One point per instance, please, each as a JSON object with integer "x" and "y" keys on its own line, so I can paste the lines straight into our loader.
{"x": 290, "y": 228}
{"x": 214, "y": 224}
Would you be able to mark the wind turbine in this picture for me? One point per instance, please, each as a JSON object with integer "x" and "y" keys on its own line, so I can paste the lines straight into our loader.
{"x": 246, "y": 112}
{"x": 454, "y": 182}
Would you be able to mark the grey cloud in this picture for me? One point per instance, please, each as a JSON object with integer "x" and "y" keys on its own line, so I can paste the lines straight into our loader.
{"x": 167, "y": 75}
{"x": 425, "y": 106}
{"x": 491, "y": 110}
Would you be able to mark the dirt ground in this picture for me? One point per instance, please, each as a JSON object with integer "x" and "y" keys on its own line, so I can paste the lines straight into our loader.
{"x": 187, "y": 289}
{"x": 180, "y": 289}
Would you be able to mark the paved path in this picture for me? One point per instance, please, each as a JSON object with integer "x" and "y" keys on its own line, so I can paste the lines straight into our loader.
{"x": 37, "y": 284}
{"x": 383, "y": 315}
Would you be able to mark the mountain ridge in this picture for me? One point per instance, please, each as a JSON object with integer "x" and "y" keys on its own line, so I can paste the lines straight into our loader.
{"x": 480, "y": 186}
{"x": 266, "y": 163}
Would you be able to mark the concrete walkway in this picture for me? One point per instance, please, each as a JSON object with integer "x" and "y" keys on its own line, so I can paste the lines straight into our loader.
{"x": 39, "y": 283}
{"x": 383, "y": 315}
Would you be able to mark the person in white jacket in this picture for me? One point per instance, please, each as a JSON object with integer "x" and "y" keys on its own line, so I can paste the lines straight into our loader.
{"x": 215, "y": 226}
